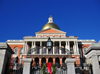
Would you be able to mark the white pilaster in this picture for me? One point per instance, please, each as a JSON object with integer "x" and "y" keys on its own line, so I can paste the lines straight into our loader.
{"x": 60, "y": 46}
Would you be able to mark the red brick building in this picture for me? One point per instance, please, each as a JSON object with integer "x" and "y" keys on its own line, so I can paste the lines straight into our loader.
{"x": 64, "y": 46}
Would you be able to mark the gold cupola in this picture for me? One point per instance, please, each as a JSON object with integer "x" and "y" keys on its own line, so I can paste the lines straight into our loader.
{"x": 50, "y": 24}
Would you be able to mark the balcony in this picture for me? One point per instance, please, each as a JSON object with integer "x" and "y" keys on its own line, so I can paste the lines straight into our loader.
{"x": 44, "y": 51}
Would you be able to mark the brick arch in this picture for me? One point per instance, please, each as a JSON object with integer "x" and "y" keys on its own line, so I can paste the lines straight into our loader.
{"x": 43, "y": 60}
{"x": 37, "y": 61}
{"x": 50, "y": 59}
{"x": 15, "y": 48}
{"x": 63, "y": 59}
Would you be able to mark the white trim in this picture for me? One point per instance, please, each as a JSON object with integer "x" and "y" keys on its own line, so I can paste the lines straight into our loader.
{"x": 85, "y": 43}
{"x": 16, "y": 43}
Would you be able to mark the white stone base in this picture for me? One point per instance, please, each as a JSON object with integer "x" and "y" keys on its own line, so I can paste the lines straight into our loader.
{"x": 26, "y": 69}
{"x": 70, "y": 65}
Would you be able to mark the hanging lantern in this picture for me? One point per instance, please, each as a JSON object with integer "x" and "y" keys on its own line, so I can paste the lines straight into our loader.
{"x": 49, "y": 44}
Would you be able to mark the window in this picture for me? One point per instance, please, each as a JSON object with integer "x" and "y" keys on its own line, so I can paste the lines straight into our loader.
{"x": 57, "y": 49}
{"x": 44, "y": 50}
{"x": 71, "y": 50}
{"x": 84, "y": 51}
{"x": 20, "y": 61}
{"x": 63, "y": 50}
{"x": 38, "y": 50}
{"x": 80, "y": 52}
{"x": 16, "y": 50}
{"x": 21, "y": 50}
{"x": 14, "y": 61}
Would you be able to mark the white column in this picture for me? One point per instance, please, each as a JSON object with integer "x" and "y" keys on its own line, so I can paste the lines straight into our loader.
{"x": 26, "y": 68}
{"x": 70, "y": 65}
{"x": 77, "y": 47}
{"x": 53, "y": 48}
{"x": 47, "y": 50}
{"x": 96, "y": 69}
{"x": 40, "y": 47}
{"x": 66, "y": 47}
{"x": 60, "y": 46}
{"x": 75, "y": 51}
{"x": 32, "y": 45}
{"x": 24, "y": 48}
{"x": 34, "y": 48}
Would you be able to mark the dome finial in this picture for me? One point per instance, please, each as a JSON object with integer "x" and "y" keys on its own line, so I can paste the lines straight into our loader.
{"x": 50, "y": 19}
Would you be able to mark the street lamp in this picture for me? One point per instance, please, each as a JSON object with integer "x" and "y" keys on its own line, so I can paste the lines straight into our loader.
{"x": 49, "y": 44}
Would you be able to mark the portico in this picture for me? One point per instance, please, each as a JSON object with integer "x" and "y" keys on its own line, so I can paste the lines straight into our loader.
{"x": 71, "y": 46}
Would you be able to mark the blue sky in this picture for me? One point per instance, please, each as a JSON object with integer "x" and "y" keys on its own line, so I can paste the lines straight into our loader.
{"x": 19, "y": 18}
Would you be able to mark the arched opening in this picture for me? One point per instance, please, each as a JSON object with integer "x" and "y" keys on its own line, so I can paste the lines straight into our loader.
{"x": 50, "y": 60}
{"x": 43, "y": 61}
{"x": 63, "y": 60}
{"x": 37, "y": 61}
{"x": 15, "y": 51}
{"x": 57, "y": 62}
{"x": 21, "y": 51}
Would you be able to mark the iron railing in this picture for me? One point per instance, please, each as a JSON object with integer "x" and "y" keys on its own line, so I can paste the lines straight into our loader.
{"x": 15, "y": 69}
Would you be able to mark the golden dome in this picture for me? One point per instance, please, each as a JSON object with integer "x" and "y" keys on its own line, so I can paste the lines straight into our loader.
{"x": 50, "y": 24}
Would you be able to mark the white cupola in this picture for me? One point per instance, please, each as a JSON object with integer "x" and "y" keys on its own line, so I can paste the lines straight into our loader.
{"x": 50, "y": 19}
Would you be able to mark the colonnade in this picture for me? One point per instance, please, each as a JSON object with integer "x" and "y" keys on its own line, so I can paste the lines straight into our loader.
{"x": 67, "y": 47}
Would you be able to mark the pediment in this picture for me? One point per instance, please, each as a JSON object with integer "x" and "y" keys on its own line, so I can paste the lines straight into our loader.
{"x": 51, "y": 30}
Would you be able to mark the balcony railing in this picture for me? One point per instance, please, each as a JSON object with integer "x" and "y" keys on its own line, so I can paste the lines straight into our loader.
{"x": 39, "y": 50}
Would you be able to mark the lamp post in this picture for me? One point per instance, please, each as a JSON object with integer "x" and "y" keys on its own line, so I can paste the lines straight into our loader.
{"x": 49, "y": 44}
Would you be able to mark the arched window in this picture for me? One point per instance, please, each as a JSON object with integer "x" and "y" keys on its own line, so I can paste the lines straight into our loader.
{"x": 84, "y": 51}
{"x": 21, "y": 51}
{"x": 16, "y": 50}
